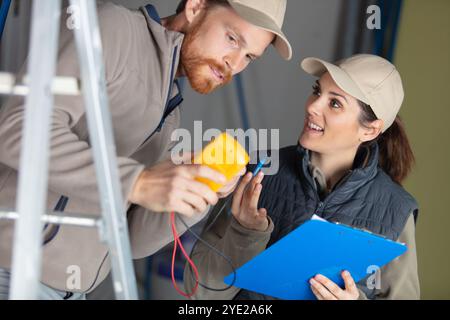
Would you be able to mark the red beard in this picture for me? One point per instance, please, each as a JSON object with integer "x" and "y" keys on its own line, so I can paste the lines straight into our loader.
{"x": 197, "y": 67}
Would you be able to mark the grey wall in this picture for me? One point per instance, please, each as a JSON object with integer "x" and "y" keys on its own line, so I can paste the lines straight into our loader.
{"x": 14, "y": 42}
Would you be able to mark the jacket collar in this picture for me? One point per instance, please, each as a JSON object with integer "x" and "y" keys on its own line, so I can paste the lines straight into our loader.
{"x": 165, "y": 38}
{"x": 153, "y": 13}
{"x": 365, "y": 168}
{"x": 168, "y": 45}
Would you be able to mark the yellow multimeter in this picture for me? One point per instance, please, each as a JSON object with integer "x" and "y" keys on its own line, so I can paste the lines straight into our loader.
{"x": 224, "y": 154}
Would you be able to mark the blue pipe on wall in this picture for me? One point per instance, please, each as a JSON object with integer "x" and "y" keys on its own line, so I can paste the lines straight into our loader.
{"x": 242, "y": 102}
{"x": 395, "y": 30}
{"x": 380, "y": 34}
{"x": 386, "y": 38}
{"x": 4, "y": 9}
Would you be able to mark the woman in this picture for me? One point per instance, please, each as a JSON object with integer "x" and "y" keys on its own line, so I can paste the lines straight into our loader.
{"x": 352, "y": 157}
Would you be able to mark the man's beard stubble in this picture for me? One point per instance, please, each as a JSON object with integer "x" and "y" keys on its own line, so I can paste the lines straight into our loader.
{"x": 194, "y": 63}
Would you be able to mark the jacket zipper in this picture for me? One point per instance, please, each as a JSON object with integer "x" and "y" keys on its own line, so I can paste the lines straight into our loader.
{"x": 322, "y": 204}
{"x": 174, "y": 57}
{"x": 60, "y": 207}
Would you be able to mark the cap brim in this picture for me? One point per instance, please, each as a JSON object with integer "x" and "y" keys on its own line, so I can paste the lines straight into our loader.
{"x": 318, "y": 68}
{"x": 264, "y": 22}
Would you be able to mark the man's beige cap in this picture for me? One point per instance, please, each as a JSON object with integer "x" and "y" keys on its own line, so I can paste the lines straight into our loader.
{"x": 268, "y": 15}
{"x": 369, "y": 78}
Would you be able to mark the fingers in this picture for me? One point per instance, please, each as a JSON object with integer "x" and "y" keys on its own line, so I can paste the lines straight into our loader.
{"x": 242, "y": 172}
{"x": 330, "y": 285}
{"x": 256, "y": 180}
{"x": 202, "y": 190}
{"x": 254, "y": 198}
{"x": 324, "y": 288}
{"x": 245, "y": 204}
{"x": 228, "y": 189}
{"x": 233, "y": 181}
{"x": 350, "y": 284}
{"x": 262, "y": 213}
{"x": 231, "y": 185}
{"x": 238, "y": 194}
{"x": 317, "y": 294}
{"x": 321, "y": 290}
{"x": 184, "y": 209}
{"x": 249, "y": 195}
{"x": 245, "y": 193}
{"x": 196, "y": 202}
{"x": 170, "y": 187}
{"x": 200, "y": 171}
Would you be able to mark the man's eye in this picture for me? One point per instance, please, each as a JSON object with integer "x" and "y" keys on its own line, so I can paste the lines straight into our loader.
{"x": 232, "y": 39}
{"x": 249, "y": 58}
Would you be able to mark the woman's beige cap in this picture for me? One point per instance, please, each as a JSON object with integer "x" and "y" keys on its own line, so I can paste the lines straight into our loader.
{"x": 268, "y": 15}
{"x": 369, "y": 78}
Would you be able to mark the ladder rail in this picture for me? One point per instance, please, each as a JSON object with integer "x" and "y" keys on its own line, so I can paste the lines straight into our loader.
{"x": 89, "y": 46}
{"x": 60, "y": 86}
{"x": 33, "y": 176}
{"x": 60, "y": 218}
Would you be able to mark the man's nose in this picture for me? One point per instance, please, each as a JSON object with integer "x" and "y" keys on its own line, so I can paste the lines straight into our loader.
{"x": 232, "y": 61}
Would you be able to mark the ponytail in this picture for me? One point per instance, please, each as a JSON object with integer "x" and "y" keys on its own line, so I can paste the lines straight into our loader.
{"x": 396, "y": 156}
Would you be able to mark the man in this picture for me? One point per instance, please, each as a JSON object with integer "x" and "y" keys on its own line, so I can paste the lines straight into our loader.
{"x": 207, "y": 41}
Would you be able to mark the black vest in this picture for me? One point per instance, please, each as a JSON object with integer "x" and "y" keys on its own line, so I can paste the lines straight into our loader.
{"x": 365, "y": 198}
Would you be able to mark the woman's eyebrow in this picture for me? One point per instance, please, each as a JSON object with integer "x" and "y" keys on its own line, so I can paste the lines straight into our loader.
{"x": 333, "y": 93}
{"x": 339, "y": 95}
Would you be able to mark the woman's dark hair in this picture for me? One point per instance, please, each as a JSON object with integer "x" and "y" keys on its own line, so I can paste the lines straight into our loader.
{"x": 396, "y": 155}
{"x": 210, "y": 3}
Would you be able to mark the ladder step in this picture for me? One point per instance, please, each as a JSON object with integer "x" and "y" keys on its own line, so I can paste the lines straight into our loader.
{"x": 61, "y": 85}
{"x": 72, "y": 219}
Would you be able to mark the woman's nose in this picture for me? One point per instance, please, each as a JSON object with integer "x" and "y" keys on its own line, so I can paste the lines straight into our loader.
{"x": 315, "y": 107}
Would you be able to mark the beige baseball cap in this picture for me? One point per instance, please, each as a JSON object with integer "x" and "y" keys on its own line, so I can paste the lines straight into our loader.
{"x": 268, "y": 15}
{"x": 368, "y": 78}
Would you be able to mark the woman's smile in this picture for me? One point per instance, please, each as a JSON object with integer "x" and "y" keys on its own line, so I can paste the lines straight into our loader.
{"x": 313, "y": 128}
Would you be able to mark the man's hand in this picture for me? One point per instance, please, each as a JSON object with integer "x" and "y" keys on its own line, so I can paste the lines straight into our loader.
{"x": 167, "y": 187}
{"x": 245, "y": 204}
{"x": 325, "y": 289}
{"x": 231, "y": 185}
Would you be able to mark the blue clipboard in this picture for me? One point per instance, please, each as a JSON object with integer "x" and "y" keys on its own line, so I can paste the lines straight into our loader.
{"x": 316, "y": 247}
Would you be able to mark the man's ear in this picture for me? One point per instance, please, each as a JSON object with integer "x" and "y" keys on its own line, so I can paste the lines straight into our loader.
{"x": 373, "y": 130}
{"x": 193, "y": 9}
